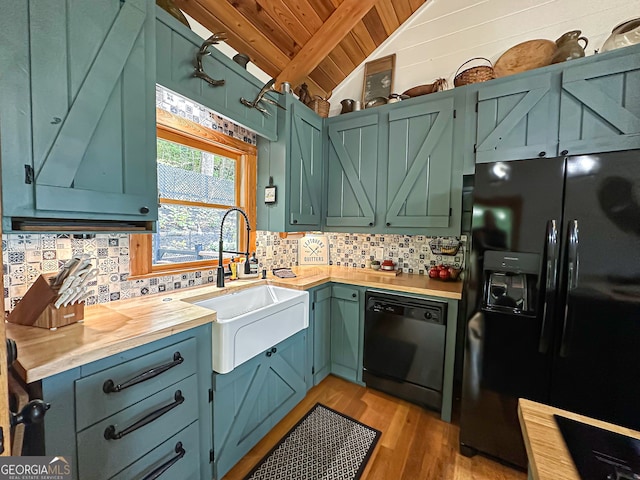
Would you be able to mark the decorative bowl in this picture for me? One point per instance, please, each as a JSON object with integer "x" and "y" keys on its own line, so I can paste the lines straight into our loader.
{"x": 375, "y": 266}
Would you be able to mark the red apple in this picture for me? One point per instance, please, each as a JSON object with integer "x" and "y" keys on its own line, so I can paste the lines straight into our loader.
{"x": 434, "y": 272}
{"x": 444, "y": 274}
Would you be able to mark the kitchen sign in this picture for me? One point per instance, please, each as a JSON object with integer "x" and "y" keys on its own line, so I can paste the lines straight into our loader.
{"x": 313, "y": 250}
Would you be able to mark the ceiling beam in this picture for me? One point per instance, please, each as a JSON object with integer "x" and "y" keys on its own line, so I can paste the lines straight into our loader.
{"x": 330, "y": 34}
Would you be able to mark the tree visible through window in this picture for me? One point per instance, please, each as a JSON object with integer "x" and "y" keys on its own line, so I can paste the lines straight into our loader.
{"x": 196, "y": 188}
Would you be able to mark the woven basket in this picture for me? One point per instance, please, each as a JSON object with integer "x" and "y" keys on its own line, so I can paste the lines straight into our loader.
{"x": 478, "y": 74}
{"x": 319, "y": 105}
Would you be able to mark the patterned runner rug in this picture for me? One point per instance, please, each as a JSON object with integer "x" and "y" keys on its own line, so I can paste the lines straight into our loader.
{"x": 325, "y": 445}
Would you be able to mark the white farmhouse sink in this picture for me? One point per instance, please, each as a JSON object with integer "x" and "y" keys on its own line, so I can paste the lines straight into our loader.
{"x": 252, "y": 320}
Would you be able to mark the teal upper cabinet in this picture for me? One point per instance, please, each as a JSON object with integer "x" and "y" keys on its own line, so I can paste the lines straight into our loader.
{"x": 295, "y": 164}
{"x": 600, "y": 104}
{"x": 177, "y": 48}
{"x": 419, "y": 170}
{"x": 352, "y": 168}
{"x": 77, "y": 110}
{"x": 517, "y": 118}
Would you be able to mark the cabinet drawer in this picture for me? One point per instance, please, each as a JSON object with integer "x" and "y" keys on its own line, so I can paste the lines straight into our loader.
{"x": 93, "y": 404}
{"x": 345, "y": 293}
{"x": 100, "y": 457}
{"x": 184, "y": 468}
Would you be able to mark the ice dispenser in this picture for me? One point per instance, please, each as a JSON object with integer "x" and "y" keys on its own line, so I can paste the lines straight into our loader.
{"x": 510, "y": 281}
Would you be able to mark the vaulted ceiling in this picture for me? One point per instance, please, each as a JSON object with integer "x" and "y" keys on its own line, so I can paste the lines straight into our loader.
{"x": 319, "y": 42}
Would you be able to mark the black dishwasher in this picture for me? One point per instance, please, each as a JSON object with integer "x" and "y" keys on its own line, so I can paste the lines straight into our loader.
{"x": 404, "y": 341}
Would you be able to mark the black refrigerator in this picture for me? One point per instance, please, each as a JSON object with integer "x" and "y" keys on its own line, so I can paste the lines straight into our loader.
{"x": 553, "y": 296}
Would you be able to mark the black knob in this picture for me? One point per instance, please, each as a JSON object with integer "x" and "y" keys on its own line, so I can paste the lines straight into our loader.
{"x": 269, "y": 353}
{"x": 144, "y": 210}
{"x": 295, "y": 221}
{"x": 274, "y": 350}
{"x": 12, "y": 351}
{"x": 371, "y": 224}
{"x": 564, "y": 152}
{"x": 542, "y": 154}
{"x": 428, "y": 315}
{"x": 388, "y": 224}
{"x": 354, "y": 295}
{"x": 33, "y": 412}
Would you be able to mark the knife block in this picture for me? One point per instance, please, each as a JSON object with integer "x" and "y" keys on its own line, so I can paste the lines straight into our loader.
{"x": 36, "y": 309}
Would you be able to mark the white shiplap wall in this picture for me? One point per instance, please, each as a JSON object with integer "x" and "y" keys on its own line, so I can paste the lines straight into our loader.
{"x": 443, "y": 34}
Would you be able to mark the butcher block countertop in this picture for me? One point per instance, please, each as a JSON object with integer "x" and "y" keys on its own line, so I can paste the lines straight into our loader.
{"x": 549, "y": 458}
{"x": 114, "y": 327}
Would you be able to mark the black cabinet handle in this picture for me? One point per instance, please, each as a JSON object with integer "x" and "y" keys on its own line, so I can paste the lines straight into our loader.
{"x": 354, "y": 295}
{"x": 274, "y": 350}
{"x": 269, "y": 353}
{"x": 295, "y": 221}
{"x": 371, "y": 224}
{"x": 564, "y": 152}
{"x": 542, "y": 154}
{"x": 388, "y": 224}
{"x": 111, "y": 434}
{"x": 144, "y": 210}
{"x": 181, "y": 452}
{"x": 110, "y": 387}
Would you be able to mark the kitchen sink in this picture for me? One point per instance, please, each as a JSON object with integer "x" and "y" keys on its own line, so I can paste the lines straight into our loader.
{"x": 253, "y": 320}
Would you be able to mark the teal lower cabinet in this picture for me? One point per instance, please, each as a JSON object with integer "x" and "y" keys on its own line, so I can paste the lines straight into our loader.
{"x": 114, "y": 418}
{"x": 320, "y": 323}
{"x": 347, "y": 331}
{"x": 251, "y": 399}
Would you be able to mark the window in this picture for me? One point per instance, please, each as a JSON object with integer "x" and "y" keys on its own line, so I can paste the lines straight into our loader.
{"x": 201, "y": 174}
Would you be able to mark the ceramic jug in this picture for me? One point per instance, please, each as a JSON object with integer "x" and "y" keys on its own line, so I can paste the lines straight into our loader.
{"x": 625, "y": 34}
{"x": 569, "y": 47}
{"x": 347, "y": 105}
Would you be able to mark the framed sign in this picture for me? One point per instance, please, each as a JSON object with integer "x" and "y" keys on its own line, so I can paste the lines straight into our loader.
{"x": 378, "y": 78}
{"x": 313, "y": 250}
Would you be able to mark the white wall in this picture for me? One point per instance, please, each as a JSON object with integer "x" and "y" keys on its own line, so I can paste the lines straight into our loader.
{"x": 443, "y": 34}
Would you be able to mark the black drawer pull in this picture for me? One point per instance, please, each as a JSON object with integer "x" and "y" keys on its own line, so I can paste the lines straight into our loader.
{"x": 110, "y": 387}
{"x": 111, "y": 434}
{"x": 168, "y": 464}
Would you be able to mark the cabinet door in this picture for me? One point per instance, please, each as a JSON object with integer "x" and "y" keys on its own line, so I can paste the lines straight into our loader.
{"x": 93, "y": 118}
{"x": 305, "y": 157}
{"x": 600, "y": 106}
{"x": 517, "y": 119}
{"x": 177, "y": 48}
{"x": 346, "y": 337}
{"x": 352, "y": 172}
{"x": 252, "y": 398}
{"x": 419, "y": 170}
{"x": 321, "y": 334}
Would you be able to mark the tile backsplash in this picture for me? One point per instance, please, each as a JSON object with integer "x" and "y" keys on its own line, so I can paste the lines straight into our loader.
{"x": 25, "y": 256}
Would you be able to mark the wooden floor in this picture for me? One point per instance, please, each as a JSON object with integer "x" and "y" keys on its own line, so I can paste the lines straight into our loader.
{"x": 415, "y": 444}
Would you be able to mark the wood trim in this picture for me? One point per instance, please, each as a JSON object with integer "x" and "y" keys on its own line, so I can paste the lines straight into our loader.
{"x": 186, "y": 129}
{"x": 195, "y": 136}
{"x": 328, "y": 36}
{"x": 190, "y": 203}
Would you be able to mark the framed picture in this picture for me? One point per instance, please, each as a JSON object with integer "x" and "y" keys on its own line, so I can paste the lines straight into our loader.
{"x": 378, "y": 78}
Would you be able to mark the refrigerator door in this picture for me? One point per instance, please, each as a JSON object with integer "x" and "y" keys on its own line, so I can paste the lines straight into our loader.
{"x": 597, "y": 368}
{"x": 517, "y": 206}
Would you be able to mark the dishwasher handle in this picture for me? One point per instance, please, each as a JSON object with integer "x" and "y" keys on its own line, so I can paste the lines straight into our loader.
{"x": 420, "y": 311}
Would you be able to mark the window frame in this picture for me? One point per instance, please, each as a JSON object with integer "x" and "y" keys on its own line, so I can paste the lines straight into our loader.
{"x": 185, "y": 132}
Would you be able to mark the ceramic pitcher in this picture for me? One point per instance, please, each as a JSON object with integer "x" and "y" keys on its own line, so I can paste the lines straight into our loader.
{"x": 625, "y": 34}
{"x": 569, "y": 47}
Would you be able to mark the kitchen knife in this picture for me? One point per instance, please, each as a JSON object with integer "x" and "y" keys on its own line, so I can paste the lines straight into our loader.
{"x": 63, "y": 298}
{"x": 79, "y": 293}
{"x": 65, "y": 285}
{"x": 86, "y": 278}
{"x": 86, "y": 295}
{"x": 66, "y": 270}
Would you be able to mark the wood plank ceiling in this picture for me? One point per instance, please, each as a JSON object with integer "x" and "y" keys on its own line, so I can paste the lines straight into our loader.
{"x": 319, "y": 42}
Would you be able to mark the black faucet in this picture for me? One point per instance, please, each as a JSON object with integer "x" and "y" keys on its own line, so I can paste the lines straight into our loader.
{"x": 247, "y": 267}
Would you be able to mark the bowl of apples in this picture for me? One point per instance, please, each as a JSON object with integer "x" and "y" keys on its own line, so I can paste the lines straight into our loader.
{"x": 445, "y": 273}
